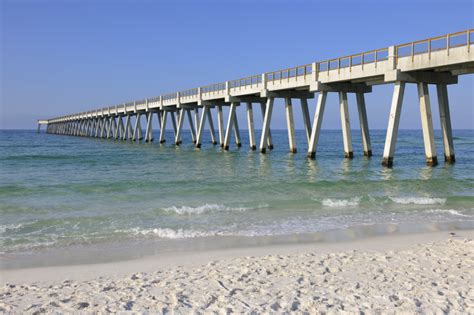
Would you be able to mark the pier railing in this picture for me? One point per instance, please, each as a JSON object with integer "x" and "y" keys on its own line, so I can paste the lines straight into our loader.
{"x": 427, "y": 46}
{"x": 411, "y": 49}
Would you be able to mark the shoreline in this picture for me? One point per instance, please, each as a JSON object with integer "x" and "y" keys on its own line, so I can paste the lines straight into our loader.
{"x": 199, "y": 256}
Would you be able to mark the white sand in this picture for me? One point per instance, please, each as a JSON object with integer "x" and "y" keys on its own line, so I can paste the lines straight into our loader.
{"x": 413, "y": 273}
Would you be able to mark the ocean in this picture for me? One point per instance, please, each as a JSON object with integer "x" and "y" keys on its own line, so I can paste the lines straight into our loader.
{"x": 63, "y": 192}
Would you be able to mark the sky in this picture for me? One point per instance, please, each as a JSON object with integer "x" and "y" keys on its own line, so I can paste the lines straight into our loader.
{"x": 61, "y": 57}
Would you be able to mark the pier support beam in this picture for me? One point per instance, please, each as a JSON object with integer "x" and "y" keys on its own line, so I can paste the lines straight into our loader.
{"x": 230, "y": 125}
{"x": 149, "y": 128}
{"x": 290, "y": 124}
{"x": 191, "y": 126}
{"x": 127, "y": 133}
{"x": 266, "y": 125}
{"x": 346, "y": 126}
{"x": 253, "y": 146}
{"x": 211, "y": 127}
{"x": 137, "y": 132}
{"x": 445, "y": 117}
{"x": 263, "y": 107}
{"x": 317, "y": 122}
{"x": 120, "y": 130}
{"x": 205, "y": 112}
{"x": 196, "y": 119}
{"x": 393, "y": 123}
{"x": 427, "y": 124}
{"x": 220, "y": 125}
{"x": 103, "y": 127}
{"x": 364, "y": 125}
{"x": 181, "y": 115}
{"x": 175, "y": 126}
{"x": 306, "y": 119}
{"x": 238, "y": 141}
{"x": 163, "y": 126}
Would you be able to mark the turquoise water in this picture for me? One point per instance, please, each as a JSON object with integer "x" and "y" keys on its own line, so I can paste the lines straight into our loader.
{"x": 59, "y": 191}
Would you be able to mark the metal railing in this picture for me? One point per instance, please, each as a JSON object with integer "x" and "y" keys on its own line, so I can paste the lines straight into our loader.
{"x": 360, "y": 59}
{"x": 190, "y": 92}
{"x": 213, "y": 88}
{"x": 445, "y": 42}
{"x": 244, "y": 82}
{"x": 437, "y": 43}
{"x": 294, "y": 72}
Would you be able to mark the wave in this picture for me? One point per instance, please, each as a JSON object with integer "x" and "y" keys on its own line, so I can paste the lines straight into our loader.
{"x": 332, "y": 203}
{"x": 187, "y": 210}
{"x": 418, "y": 200}
{"x": 172, "y": 234}
{"x": 450, "y": 211}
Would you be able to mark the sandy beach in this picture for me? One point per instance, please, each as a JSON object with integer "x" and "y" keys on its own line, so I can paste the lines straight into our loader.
{"x": 422, "y": 273}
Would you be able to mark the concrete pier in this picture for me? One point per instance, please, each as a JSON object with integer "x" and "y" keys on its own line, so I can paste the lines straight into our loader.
{"x": 445, "y": 117}
{"x": 437, "y": 61}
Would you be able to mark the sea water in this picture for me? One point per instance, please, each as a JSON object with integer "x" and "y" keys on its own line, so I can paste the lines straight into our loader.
{"x": 62, "y": 191}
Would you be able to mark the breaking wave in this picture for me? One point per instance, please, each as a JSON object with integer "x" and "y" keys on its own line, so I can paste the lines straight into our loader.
{"x": 332, "y": 203}
{"x": 187, "y": 210}
{"x": 418, "y": 200}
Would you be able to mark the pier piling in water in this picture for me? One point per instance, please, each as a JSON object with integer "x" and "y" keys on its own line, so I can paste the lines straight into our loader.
{"x": 414, "y": 62}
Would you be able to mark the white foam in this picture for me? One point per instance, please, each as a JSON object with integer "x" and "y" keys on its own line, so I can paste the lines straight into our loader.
{"x": 186, "y": 210}
{"x": 418, "y": 200}
{"x": 450, "y": 211}
{"x": 333, "y": 203}
{"x": 172, "y": 234}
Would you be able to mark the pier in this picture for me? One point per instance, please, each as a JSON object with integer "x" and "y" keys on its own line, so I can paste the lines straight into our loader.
{"x": 438, "y": 60}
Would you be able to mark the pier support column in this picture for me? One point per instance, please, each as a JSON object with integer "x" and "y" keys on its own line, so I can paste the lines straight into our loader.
{"x": 202, "y": 123}
{"x": 159, "y": 115}
{"x": 445, "y": 118}
{"x": 211, "y": 127}
{"x": 290, "y": 124}
{"x": 317, "y": 122}
{"x": 346, "y": 126}
{"x": 103, "y": 127}
{"x": 306, "y": 119}
{"x": 196, "y": 118}
{"x": 393, "y": 123}
{"x": 175, "y": 126}
{"x": 230, "y": 125}
{"x": 127, "y": 128}
{"x": 364, "y": 125}
{"x": 137, "y": 132}
{"x": 191, "y": 126}
{"x": 220, "y": 125}
{"x": 163, "y": 126}
{"x": 149, "y": 127}
{"x": 96, "y": 127}
{"x": 181, "y": 115}
{"x": 427, "y": 124}
{"x": 238, "y": 141}
{"x": 266, "y": 125}
{"x": 109, "y": 127}
{"x": 253, "y": 146}
{"x": 263, "y": 107}
{"x": 119, "y": 131}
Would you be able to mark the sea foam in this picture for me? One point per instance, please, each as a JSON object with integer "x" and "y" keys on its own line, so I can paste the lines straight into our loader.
{"x": 187, "y": 210}
{"x": 333, "y": 203}
{"x": 418, "y": 200}
{"x": 450, "y": 211}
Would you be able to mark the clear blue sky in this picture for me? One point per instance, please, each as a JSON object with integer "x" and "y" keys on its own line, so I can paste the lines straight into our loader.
{"x": 60, "y": 57}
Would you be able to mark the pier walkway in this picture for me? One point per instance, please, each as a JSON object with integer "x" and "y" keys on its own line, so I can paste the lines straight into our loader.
{"x": 438, "y": 60}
